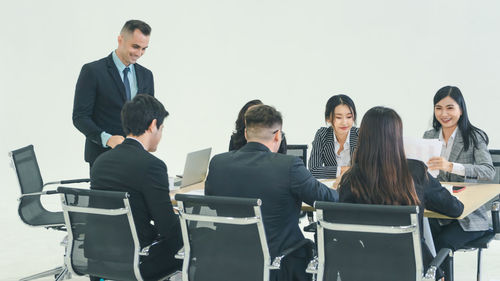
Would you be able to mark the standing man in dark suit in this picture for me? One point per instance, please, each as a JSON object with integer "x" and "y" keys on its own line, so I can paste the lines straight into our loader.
{"x": 105, "y": 85}
{"x": 131, "y": 168}
{"x": 282, "y": 182}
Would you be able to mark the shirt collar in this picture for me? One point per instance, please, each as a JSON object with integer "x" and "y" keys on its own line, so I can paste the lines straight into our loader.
{"x": 132, "y": 138}
{"x": 119, "y": 64}
{"x": 452, "y": 137}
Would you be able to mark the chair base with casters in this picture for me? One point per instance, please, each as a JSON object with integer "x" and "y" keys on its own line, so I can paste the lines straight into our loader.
{"x": 59, "y": 273}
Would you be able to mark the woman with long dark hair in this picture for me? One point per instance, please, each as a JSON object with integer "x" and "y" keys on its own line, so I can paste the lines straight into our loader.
{"x": 333, "y": 146}
{"x": 381, "y": 174}
{"x": 238, "y": 139}
{"x": 464, "y": 157}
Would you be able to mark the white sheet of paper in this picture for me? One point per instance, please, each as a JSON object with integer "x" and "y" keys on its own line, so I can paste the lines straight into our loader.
{"x": 327, "y": 182}
{"x": 423, "y": 150}
{"x": 196, "y": 192}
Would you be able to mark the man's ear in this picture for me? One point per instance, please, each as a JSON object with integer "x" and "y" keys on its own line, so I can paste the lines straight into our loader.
{"x": 277, "y": 135}
{"x": 152, "y": 127}
{"x": 246, "y": 136}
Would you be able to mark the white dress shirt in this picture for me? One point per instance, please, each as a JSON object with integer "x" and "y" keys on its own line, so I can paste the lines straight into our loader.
{"x": 344, "y": 157}
{"x": 458, "y": 168}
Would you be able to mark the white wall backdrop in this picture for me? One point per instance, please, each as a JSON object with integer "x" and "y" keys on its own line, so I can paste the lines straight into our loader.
{"x": 210, "y": 57}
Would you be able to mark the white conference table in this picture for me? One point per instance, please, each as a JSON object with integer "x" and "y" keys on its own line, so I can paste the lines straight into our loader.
{"x": 473, "y": 196}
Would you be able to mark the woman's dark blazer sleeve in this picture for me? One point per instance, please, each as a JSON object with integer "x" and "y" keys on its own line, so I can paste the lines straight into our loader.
{"x": 436, "y": 197}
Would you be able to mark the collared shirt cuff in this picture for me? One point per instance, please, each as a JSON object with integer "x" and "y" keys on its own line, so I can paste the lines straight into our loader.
{"x": 338, "y": 171}
{"x": 104, "y": 139}
{"x": 458, "y": 169}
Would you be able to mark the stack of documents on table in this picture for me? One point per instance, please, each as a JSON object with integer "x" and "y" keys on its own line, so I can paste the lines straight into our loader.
{"x": 423, "y": 150}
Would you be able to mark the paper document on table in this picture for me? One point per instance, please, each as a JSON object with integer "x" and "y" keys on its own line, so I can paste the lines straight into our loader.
{"x": 327, "y": 182}
{"x": 423, "y": 150}
{"x": 196, "y": 192}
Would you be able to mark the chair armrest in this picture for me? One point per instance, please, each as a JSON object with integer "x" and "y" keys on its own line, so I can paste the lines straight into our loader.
{"x": 47, "y": 192}
{"x": 436, "y": 262}
{"x": 312, "y": 267}
{"x": 180, "y": 254}
{"x": 145, "y": 251}
{"x": 277, "y": 260}
{"x": 66, "y": 182}
{"x": 495, "y": 207}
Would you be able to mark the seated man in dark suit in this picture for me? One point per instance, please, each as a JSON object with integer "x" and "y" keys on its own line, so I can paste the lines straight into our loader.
{"x": 282, "y": 182}
{"x": 131, "y": 168}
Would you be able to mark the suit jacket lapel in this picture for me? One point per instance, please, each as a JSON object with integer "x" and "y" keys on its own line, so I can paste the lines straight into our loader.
{"x": 458, "y": 146}
{"x": 353, "y": 139}
{"x": 139, "y": 75}
{"x": 113, "y": 72}
{"x": 329, "y": 146}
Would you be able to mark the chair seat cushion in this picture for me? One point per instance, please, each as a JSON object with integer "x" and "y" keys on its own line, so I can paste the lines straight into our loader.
{"x": 481, "y": 242}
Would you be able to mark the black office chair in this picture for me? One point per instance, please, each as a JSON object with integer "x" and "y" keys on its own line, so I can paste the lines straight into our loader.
{"x": 31, "y": 210}
{"x": 370, "y": 242}
{"x": 484, "y": 241}
{"x": 224, "y": 239}
{"x": 299, "y": 150}
{"x": 102, "y": 236}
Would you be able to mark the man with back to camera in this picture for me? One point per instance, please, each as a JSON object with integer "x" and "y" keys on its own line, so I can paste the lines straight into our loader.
{"x": 130, "y": 167}
{"x": 282, "y": 182}
{"x": 105, "y": 85}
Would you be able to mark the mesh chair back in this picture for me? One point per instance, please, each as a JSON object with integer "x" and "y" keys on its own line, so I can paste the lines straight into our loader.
{"x": 30, "y": 208}
{"x": 101, "y": 230}
{"x": 299, "y": 150}
{"x": 223, "y": 236}
{"x": 495, "y": 156}
{"x": 368, "y": 242}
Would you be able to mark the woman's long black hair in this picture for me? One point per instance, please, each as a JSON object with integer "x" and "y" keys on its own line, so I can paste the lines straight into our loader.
{"x": 238, "y": 136}
{"x": 468, "y": 131}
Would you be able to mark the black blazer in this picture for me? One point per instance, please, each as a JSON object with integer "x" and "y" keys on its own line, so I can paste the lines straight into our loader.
{"x": 431, "y": 194}
{"x": 280, "y": 181}
{"x": 130, "y": 168}
{"x": 322, "y": 162}
{"x": 99, "y": 98}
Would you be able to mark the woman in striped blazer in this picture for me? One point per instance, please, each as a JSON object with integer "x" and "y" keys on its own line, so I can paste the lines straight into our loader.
{"x": 333, "y": 146}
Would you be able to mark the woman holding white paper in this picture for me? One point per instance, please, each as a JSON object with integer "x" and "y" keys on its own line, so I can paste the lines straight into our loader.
{"x": 333, "y": 146}
{"x": 464, "y": 157}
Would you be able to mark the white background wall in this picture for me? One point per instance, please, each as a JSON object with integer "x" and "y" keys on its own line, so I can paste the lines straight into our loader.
{"x": 210, "y": 57}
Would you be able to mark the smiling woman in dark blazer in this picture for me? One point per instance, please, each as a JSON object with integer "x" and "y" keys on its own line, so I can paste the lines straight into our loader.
{"x": 464, "y": 157}
{"x": 333, "y": 146}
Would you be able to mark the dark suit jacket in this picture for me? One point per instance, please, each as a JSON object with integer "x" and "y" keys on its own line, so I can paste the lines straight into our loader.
{"x": 130, "y": 168}
{"x": 431, "y": 194}
{"x": 280, "y": 181}
{"x": 323, "y": 162}
{"x": 99, "y": 98}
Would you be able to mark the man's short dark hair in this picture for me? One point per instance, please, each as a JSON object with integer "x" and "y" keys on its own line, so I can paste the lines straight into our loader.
{"x": 131, "y": 25}
{"x": 138, "y": 114}
{"x": 263, "y": 116}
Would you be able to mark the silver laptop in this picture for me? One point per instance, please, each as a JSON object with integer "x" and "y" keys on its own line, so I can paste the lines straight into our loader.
{"x": 195, "y": 169}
